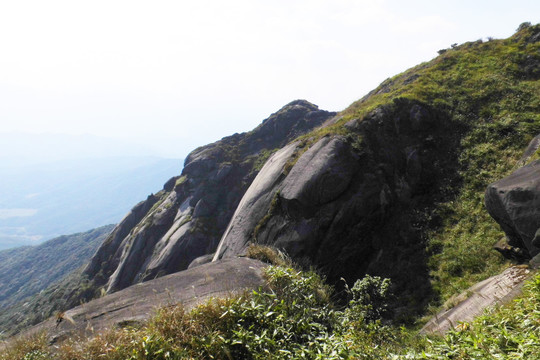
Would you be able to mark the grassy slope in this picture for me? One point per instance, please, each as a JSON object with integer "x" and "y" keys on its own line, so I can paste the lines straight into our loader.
{"x": 492, "y": 90}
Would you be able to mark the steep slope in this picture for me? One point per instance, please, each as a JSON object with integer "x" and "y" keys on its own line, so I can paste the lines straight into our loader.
{"x": 395, "y": 186}
{"x": 392, "y": 186}
{"x": 185, "y": 220}
{"x": 35, "y": 281}
{"x": 351, "y": 203}
{"x": 25, "y": 271}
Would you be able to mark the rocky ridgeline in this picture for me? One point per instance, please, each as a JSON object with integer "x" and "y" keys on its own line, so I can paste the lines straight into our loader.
{"x": 352, "y": 203}
{"x": 359, "y": 195}
{"x": 184, "y": 221}
{"x": 347, "y": 203}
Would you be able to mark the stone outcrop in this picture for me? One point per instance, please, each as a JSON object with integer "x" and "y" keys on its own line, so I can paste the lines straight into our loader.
{"x": 514, "y": 202}
{"x": 139, "y": 302}
{"x": 347, "y": 203}
{"x": 496, "y": 290}
{"x": 185, "y": 221}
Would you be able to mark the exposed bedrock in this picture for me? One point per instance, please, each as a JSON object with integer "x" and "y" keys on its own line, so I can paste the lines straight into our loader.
{"x": 353, "y": 203}
{"x": 186, "y": 220}
{"x": 138, "y": 303}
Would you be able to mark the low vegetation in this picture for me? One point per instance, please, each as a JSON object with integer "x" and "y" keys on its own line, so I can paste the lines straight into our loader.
{"x": 293, "y": 317}
{"x": 36, "y": 280}
{"x": 509, "y": 332}
{"x": 489, "y": 91}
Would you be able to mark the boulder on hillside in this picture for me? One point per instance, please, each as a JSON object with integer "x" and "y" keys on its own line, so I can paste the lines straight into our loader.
{"x": 138, "y": 303}
{"x": 348, "y": 203}
{"x": 514, "y": 202}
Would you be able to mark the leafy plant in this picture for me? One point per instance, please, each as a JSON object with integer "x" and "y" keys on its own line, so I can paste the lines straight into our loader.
{"x": 370, "y": 299}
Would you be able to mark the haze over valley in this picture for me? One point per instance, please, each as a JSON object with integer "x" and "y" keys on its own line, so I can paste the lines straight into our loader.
{"x": 54, "y": 185}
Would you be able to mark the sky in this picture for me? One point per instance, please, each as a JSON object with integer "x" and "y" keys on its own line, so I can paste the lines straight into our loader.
{"x": 173, "y": 75}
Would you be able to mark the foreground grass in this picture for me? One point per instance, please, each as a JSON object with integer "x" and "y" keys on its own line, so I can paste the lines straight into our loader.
{"x": 295, "y": 319}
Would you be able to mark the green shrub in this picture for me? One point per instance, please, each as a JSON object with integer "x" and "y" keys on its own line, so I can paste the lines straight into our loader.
{"x": 370, "y": 297}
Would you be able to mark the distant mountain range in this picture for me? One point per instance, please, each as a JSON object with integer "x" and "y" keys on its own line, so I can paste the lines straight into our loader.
{"x": 44, "y": 200}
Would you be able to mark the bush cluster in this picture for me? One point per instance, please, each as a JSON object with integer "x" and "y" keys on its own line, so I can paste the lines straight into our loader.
{"x": 292, "y": 318}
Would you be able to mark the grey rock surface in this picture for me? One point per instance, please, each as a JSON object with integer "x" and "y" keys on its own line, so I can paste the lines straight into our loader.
{"x": 514, "y": 202}
{"x": 186, "y": 220}
{"x": 496, "y": 290}
{"x": 253, "y": 205}
{"x": 320, "y": 175}
{"x": 138, "y": 303}
{"x": 201, "y": 260}
{"x": 353, "y": 204}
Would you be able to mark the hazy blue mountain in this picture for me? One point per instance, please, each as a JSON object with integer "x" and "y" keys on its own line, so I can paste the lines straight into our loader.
{"x": 43, "y": 200}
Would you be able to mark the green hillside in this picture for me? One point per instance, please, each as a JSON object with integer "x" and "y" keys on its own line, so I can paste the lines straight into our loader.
{"x": 489, "y": 95}
{"x": 26, "y": 272}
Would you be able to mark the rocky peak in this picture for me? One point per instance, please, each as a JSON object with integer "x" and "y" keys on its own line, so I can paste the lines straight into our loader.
{"x": 347, "y": 205}
{"x": 185, "y": 220}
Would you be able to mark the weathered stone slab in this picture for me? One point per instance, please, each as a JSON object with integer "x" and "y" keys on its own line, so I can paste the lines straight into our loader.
{"x": 496, "y": 290}
{"x": 139, "y": 302}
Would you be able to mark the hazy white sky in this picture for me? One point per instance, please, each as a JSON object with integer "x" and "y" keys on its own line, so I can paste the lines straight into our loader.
{"x": 185, "y": 73}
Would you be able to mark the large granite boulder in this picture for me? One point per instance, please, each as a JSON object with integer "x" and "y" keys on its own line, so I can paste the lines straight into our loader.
{"x": 349, "y": 203}
{"x": 514, "y": 202}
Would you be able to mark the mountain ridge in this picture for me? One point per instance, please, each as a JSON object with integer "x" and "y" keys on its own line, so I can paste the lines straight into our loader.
{"x": 392, "y": 186}
{"x": 413, "y": 147}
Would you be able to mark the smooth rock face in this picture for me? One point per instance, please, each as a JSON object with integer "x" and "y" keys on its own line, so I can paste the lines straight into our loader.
{"x": 201, "y": 260}
{"x": 321, "y": 174}
{"x": 186, "y": 220}
{"x": 496, "y": 290}
{"x": 348, "y": 206}
{"x": 514, "y": 202}
{"x": 139, "y": 302}
{"x": 254, "y": 205}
